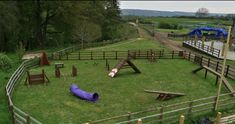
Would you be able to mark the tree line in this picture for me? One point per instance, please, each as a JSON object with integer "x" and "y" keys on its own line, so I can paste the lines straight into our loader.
{"x": 39, "y": 24}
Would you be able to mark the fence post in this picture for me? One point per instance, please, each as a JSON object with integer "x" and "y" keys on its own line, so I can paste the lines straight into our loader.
{"x": 209, "y": 61}
{"x": 201, "y": 63}
{"x": 215, "y": 99}
{"x": 219, "y": 53}
{"x": 91, "y": 55}
{"x": 190, "y": 109}
{"x": 161, "y": 115}
{"x": 182, "y": 119}
{"x": 227, "y": 70}
{"x": 103, "y": 55}
{"x": 217, "y": 65}
{"x": 139, "y": 121}
{"x": 27, "y": 119}
{"x": 129, "y": 117}
{"x": 189, "y": 56}
{"x": 218, "y": 118}
{"x": 173, "y": 54}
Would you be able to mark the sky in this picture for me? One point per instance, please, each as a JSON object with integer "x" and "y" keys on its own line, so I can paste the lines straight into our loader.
{"x": 186, "y": 6}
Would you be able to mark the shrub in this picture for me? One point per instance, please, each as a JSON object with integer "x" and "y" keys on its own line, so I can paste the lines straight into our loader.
{"x": 20, "y": 50}
{"x": 5, "y": 62}
{"x": 165, "y": 25}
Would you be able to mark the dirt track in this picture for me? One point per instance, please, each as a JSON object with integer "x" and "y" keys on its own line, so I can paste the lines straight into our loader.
{"x": 162, "y": 38}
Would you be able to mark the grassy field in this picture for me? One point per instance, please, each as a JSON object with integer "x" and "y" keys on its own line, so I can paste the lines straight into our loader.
{"x": 177, "y": 31}
{"x": 189, "y": 21}
{"x": 133, "y": 44}
{"x": 4, "y": 77}
{"x": 54, "y": 103}
{"x": 117, "y": 96}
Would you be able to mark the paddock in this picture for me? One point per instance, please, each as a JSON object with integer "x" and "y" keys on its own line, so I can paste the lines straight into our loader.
{"x": 121, "y": 94}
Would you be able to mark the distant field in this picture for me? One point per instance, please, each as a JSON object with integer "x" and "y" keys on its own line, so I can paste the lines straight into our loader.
{"x": 188, "y": 21}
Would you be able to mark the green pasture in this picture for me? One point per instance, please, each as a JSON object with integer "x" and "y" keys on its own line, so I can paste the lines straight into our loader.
{"x": 189, "y": 21}
{"x": 54, "y": 103}
{"x": 4, "y": 77}
{"x": 134, "y": 44}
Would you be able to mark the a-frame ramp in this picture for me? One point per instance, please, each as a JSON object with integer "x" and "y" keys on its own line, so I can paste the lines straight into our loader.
{"x": 225, "y": 82}
{"x": 123, "y": 63}
{"x": 163, "y": 95}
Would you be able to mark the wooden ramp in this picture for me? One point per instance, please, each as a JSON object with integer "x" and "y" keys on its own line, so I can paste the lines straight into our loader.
{"x": 225, "y": 82}
{"x": 164, "y": 95}
{"x": 122, "y": 64}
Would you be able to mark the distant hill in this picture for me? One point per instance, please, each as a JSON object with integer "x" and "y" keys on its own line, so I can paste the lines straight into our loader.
{"x": 138, "y": 12}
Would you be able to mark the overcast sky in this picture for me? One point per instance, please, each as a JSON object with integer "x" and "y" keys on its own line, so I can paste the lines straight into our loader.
{"x": 186, "y": 6}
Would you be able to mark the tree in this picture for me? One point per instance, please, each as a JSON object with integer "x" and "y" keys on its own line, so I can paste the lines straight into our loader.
{"x": 202, "y": 12}
{"x": 86, "y": 32}
{"x": 39, "y": 23}
{"x": 8, "y": 25}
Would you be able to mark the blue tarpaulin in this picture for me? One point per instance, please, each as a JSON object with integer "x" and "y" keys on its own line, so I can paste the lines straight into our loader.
{"x": 218, "y": 32}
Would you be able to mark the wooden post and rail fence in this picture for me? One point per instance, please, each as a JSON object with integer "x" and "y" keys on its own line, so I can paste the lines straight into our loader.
{"x": 163, "y": 114}
{"x": 202, "y": 47}
{"x": 146, "y": 54}
{"x": 170, "y": 113}
{"x": 88, "y": 45}
{"x": 17, "y": 115}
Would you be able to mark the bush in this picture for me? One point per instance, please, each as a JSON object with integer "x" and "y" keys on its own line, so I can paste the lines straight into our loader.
{"x": 20, "y": 50}
{"x": 165, "y": 25}
{"x": 5, "y": 62}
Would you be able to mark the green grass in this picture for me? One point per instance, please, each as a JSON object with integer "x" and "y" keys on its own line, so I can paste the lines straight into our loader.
{"x": 54, "y": 103}
{"x": 133, "y": 44}
{"x": 182, "y": 31}
{"x": 189, "y": 21}
{"x": 117, "y": 96}
{"x": 4, "y": 77}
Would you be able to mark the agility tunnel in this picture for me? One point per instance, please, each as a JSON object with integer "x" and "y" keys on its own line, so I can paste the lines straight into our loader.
{"x": 75, "y": 90}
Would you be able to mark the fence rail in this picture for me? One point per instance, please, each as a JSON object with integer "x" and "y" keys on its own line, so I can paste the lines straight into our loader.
{"x": 170, "y": 113}
{"x": 202, "y": 47}
{"x": 102, "y": 55}
{"x": 163, "y": 114}
{"x": 214, "y": 64}
{"x": 18, "y": 116}
{"x": 147, "y": 54}
{"x": 87, "y": 45}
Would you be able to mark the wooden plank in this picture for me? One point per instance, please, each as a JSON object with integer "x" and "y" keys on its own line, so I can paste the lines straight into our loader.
{"x": 228, "y": 86}
{"x": 164, "y": 92}
{"x": 198, "y": 69}
{"x": 211, "y": 70}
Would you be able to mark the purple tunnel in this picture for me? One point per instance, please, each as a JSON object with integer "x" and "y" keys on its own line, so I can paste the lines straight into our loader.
{"x": 93, "y": 97}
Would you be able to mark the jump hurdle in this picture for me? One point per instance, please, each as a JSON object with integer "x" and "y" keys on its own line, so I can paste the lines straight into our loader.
{"x": 225, "y": 82}
{"x": 36, "y": 78}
